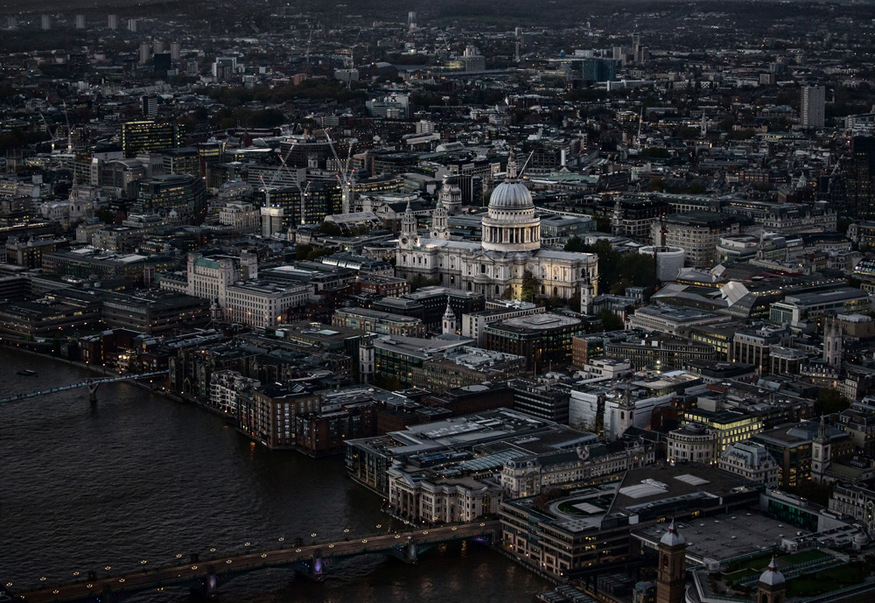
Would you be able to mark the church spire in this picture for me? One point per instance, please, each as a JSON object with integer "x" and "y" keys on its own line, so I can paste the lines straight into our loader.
{"x": 448, "y": 322}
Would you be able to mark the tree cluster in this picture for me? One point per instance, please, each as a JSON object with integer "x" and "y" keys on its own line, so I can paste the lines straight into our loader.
{"x": 618, "y": 270}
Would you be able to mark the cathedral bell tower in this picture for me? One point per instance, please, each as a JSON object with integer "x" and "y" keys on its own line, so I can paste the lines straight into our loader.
{"x": 451, "y": 197}
{"x": 671, "y": 573}
{"x": 408, "y": 228}
{"x": 439, "y": 228}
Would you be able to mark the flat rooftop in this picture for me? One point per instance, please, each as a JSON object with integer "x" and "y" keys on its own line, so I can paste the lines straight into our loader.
{"x": 724, "y": 537}
{"x": 540, "y": 322}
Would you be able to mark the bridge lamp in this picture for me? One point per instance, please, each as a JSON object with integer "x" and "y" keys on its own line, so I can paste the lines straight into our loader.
{"x": 75, "y": 573}
{"x": 281, "y": 539}
{"x": 365, "y": 541}
{"x": 247, "y": 543}
{"x": 213, "y": 550}
{"x": 331, "y": 546}
{"x": 379, "y": 525}
{"x": 42, "y": 579}
{"x": 9, "y": 585}
{"x": 121, "y": 580}
{"x": 397, "y": 536}
{"x": 346, "y": 530}
{"x": 179, "y": 555}
{"x": 228, "y": 562}
{"x": 143, "y": 562}
{"x": 264, "y": 555}
{"x": 55, "y": 592}
{"x": 108, "y": 567}
{"x": 313, "y": 535}
{"x": 193, "y": 567}
{"x": 297, "y": 550}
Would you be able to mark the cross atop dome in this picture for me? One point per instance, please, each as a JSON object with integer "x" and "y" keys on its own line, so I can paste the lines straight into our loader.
{"x": 511, "y": 166}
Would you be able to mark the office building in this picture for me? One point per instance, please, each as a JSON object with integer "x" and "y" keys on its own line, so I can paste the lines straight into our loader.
{"x": 148, "y": 136}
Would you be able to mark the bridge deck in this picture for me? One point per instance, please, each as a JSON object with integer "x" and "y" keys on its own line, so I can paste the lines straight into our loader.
{"x": 189, "y": 573}
{"x": 87, "y": 382}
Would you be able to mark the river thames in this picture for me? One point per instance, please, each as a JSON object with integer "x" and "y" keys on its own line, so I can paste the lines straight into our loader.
{"x": 142, "y": 478}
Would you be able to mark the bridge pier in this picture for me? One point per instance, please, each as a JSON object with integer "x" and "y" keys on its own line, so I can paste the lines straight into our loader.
{"x": 206, "y": 588}
{"x": 92, "y": 392}
{"x": 318, "y": 567}
{"x": 107, "y": 596}
{"x": 411, "y": 555}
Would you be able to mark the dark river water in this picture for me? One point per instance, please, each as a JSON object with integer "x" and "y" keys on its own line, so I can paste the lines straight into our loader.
{"x": 142, "y": 478}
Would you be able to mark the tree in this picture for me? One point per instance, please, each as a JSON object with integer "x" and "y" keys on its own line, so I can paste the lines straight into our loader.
{"x": 830, "y": 401}
{"x": 610, "y": 321}
{"x": 419, "y": 281}
{"x": 316, "y": 253}
{"x": 302, "y": 250}
{"x": 575, "y": 245}
{"x": 330, "y": 228}
{"x": 531, "y": 287}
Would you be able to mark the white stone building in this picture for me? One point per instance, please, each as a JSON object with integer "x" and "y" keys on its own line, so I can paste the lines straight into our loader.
{"x": 510, "y": 246}
{"x": 447, "y": 500}
{"x": 752, "y": 461}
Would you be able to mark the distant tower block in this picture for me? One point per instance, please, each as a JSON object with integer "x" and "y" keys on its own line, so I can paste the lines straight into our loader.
{"x": 132, "y": 25}
{"x": 411, "y": 20}
{"x": 175, "y": 51}
{"x": 157, "y": 46}
{"x": 145, "y": 53}
{"x": 45, "y": 22}
{"x": 812, "y": 110}
{"x": 112, "y": 22}
{"x": 80, "y": 21}
{"x": 12, "y": 23}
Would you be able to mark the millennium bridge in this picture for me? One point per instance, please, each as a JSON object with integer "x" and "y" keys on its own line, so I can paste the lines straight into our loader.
{"x": 205, "y": 576}
{"x": 91, "y": 384}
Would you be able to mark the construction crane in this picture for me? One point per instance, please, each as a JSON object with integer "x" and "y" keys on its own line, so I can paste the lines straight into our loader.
{"x": 307, "y": 53}
{"x": 54, "y": 134}
{"x": 345, "y": 174}
{"x": 69, "y": 131}
{"x": 303, "y": 193}
{"x": 276, "y": 174}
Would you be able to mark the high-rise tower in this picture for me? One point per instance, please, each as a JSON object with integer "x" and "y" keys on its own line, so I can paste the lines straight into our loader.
{"x": 813, "y": 106}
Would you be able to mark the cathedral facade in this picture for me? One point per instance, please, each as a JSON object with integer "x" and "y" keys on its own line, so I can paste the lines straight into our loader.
{"x": 510, "y": 246}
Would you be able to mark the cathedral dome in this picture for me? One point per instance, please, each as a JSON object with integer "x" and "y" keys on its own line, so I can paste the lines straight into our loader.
{"x": 510, "y": 224}
{"x": 511, "y": 195}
